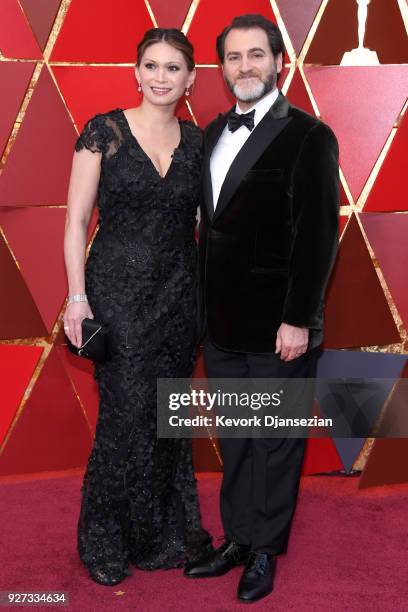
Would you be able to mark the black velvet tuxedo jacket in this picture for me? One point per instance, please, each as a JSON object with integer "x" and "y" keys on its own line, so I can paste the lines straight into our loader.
{"x": 266, "y": 253}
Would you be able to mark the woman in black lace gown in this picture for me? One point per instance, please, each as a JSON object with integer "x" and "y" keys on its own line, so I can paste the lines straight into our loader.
{"x": 139, "y": 498}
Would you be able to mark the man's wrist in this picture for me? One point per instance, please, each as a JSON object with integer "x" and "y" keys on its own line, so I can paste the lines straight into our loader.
{"x": 293, "y": 325}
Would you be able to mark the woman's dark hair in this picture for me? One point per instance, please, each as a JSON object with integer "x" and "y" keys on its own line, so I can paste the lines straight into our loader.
{"x": 244, "y": 22}
{"x": 172, "y": 37}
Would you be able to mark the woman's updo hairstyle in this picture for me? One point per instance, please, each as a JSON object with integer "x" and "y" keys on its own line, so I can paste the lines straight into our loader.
{"x": 172, "y": 37}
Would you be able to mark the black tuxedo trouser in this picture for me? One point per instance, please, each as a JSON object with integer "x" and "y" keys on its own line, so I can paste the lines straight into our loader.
{"x": 261, "y": 476}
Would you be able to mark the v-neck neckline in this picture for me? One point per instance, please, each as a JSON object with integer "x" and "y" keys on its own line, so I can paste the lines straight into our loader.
{"x": 144, "y": 152}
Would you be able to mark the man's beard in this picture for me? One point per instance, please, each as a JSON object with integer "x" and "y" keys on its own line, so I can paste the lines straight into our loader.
{"x": 255, "y": 92}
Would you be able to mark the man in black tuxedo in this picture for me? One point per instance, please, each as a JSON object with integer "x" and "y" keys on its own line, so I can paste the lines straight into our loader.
{"x": 268, "y": 238}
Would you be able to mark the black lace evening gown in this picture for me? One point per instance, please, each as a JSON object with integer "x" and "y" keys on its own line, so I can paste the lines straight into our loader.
{"x": 139, "y": 497}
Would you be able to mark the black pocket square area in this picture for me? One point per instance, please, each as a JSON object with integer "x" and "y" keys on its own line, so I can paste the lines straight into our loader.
{"x": 94, "y": 342}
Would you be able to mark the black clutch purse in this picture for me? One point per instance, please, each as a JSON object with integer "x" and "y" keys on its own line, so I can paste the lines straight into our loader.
{"x": 94, "y": 342}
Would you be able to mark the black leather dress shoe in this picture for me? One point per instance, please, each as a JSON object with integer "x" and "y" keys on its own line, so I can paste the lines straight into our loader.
{"x": 257, "y": 580}
{"x": 219, "y": 562}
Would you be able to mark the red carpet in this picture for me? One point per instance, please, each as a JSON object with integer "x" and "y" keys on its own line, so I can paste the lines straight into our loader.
{"x": 348, "y": 551}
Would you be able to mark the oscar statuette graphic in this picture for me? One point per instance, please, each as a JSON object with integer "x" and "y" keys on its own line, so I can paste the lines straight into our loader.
{"x": 361, "y": 56}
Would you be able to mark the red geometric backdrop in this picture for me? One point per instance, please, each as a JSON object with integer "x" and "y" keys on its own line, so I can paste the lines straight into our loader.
{"x": 62, "y": 61}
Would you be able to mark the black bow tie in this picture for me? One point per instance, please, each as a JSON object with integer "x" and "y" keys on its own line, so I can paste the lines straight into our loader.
{"x": 235, "y": 120}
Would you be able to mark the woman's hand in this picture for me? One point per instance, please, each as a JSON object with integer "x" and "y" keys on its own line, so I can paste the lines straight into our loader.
{"x": 73, "y": 317}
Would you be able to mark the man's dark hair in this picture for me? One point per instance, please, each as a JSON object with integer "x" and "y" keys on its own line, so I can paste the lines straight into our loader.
{"x": 244, "y": 22}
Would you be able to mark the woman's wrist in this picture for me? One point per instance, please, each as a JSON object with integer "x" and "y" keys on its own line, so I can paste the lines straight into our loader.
{"x": 77, "y": 297}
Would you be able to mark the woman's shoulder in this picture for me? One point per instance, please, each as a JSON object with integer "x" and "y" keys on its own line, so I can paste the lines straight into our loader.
{"x": 101, "y": 119}
{"x": 98, "y": 131}
{"x": 193, "y": 133}
{"x": 191, "y": 126}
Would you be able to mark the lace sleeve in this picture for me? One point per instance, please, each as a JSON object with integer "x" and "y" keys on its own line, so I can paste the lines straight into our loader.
{"x": 93, "y": 135}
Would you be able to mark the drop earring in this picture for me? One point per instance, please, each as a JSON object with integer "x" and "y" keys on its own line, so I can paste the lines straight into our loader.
{"x": 139, "y": 89}
{"x": 187, "y": 92}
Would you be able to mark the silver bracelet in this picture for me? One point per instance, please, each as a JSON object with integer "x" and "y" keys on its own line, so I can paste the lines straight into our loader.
{"x": 79, "y": 297}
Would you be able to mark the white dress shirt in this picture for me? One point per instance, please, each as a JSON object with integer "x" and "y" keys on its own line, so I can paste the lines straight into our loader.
{"x": 230, "y": 143}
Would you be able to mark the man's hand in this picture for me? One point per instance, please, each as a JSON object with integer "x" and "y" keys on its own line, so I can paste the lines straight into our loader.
{"x": 291, "y": 341}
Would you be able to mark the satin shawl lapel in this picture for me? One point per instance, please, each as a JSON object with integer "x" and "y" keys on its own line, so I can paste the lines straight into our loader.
{"x": 275, "y": 120}
{"x": 210, "y": 142}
